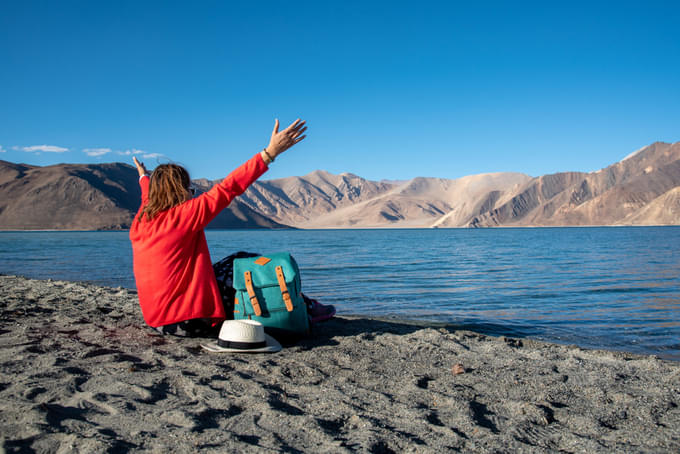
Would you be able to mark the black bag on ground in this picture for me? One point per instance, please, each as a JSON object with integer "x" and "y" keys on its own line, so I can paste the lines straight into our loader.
{"x": 224, "y": 273}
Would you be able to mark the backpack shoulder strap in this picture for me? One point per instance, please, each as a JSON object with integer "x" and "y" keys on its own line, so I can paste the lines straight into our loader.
{"x": 251, "y": 293}
{"x": 284, "y": 289}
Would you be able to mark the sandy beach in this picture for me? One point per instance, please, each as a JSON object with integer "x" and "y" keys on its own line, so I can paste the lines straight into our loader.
{"x": 80, "y": 373}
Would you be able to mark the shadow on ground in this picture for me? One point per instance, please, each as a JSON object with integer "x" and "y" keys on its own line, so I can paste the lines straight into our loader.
{"x": 324, "y": 333}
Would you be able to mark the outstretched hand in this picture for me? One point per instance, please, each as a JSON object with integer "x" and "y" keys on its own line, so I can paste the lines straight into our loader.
{"x": 283, "y": 140}
{"x": 140, "y": 167}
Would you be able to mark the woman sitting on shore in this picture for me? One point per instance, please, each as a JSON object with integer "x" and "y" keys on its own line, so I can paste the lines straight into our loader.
{"x": 176, "y": 284}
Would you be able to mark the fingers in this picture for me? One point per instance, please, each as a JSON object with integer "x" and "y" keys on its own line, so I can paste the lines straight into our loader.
{"x": 295, "y": 130}
{"x": 134, "y": 158}
{"x": 295, "y": 125}
{"x": 295, "y": 135}
{"x": 298, "y": 133}
{"x": 276, "y": 127}
{"x": 288, "y": 137}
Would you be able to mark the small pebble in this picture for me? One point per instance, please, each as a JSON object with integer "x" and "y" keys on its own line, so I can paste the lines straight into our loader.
{"x": 458, "y": 369}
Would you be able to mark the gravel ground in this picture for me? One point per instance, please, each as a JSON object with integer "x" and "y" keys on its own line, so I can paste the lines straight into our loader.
{"x": 80, "y": 373}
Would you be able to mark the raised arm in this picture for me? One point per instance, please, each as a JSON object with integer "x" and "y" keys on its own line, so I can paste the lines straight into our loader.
{"x": 141, "y": 169}
{"x": 208, "y": 205}
{"x": 143, "y": 182}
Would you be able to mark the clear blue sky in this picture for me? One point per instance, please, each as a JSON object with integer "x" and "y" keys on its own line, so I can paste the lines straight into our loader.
{"x": 390, "y": 90}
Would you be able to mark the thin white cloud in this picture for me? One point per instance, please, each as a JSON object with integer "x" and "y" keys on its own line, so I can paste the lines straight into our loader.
{"x": 46, "y": 148}
{"x": 131, "y": 152}
{"x": 137, "y": 152}
{"x": 96, "y": 151}
{"x": 2, "y": 150}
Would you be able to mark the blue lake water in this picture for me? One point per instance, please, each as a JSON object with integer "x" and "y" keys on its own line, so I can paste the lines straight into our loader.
{"x": 613, "y": 288}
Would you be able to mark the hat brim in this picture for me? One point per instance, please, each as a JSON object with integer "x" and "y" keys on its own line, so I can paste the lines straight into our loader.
{"x": 273, "y": 346}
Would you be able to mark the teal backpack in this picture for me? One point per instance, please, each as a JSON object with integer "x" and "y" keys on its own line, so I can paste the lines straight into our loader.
{"x": 268, "y": 290}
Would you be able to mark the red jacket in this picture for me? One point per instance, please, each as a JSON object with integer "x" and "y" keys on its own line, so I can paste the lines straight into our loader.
{"x": 172, "y": 266}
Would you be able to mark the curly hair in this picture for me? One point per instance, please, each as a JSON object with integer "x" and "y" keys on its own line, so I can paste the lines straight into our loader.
{"x": 169, "y": 187}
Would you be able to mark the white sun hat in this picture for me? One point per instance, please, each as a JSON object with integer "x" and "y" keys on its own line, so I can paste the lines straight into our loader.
{"x": 243, "y": 336}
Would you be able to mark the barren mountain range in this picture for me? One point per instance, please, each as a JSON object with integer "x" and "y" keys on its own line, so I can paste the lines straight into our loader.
{"x": 87, "y": 197}
{"x": 641, "y": 189}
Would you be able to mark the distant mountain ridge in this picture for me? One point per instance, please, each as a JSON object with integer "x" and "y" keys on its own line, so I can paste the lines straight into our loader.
{"x": 641, "y": 189}
{"x": 67, "y": 196}
{"x": 615, "y": 195}
{"x": 87, "y": 197}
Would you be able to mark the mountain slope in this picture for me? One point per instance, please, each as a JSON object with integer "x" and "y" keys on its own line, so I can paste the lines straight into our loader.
{"x": 87, "y": 197}
{"x": 421, "y": 202}
{"x": 641, "y": 189}
{"x": 67, "y": 196}
{"x": 297, "y": 200}
{"x": 608, "y": 196}
{"x": 663, "y": 210}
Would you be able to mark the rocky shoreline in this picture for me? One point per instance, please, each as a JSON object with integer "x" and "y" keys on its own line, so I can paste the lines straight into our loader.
{"x": 80, "y": 373}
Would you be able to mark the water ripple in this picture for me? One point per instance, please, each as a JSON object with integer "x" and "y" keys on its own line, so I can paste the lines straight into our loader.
{"x": 616, "y": 288}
